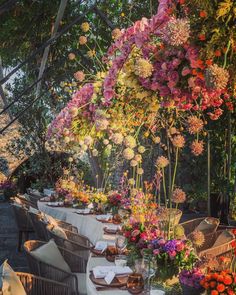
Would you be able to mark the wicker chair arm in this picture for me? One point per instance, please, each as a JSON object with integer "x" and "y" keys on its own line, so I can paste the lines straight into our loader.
{"x": 59, "y": 275}
{"x": 67, "y": 226}
{"x": 79, "y": 239}
{"x": 25, "y": 278}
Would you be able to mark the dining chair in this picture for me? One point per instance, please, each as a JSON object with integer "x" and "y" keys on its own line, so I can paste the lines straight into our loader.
{"x": 35, "y": 285}
{"x": 76, "y": 279}
{"x": 23, "y": 223}
{"x": 39, "y": 226}
{"x": 191, "y": 225}
{"x": 216, "y": 251}
{"x": 76, "y": 243}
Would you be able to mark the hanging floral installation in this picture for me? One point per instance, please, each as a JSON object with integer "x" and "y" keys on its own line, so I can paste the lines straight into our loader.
{"x": 157, "y": 87}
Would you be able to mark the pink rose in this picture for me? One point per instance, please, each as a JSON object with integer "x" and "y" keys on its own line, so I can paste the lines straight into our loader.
{"x": 156, "y": 252}
{"x": 176, "y": 62}
{"x": 185, "y": 71}
{"x": 172, "y": 254}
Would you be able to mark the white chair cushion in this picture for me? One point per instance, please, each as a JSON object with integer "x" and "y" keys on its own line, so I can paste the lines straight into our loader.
{"x": 207, "y": 225}
{"x": 57, "y": 230}
{"x": 224, "y": 237}
{"x": 10, "y": 284}
{"x": 81, "y": 277}
{"x": 49, "y": 219}
{"x": 50, "y": 254}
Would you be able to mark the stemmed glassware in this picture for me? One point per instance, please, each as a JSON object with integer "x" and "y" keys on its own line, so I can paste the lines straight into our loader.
{"x": 147, "y": 267}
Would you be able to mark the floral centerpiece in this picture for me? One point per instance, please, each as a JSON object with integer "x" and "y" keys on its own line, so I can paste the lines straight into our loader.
{"x": 190, "y": 281}
{"x": 172, "y": 256}
{"x": 220, "y": 282}
{"x": 99, "y": 200}
{"x": 114, "y": 201}
{"x": 72, "y": 192}
{"x": 9, "y": 188}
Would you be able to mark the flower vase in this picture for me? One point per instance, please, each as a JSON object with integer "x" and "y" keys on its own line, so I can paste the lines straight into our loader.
{"x": 114, "y": 210}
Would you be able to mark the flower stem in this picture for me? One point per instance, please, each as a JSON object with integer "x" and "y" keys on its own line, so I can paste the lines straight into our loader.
{"x": 164, "y": 185}
{"x": 226, "y": 53}
{"x": 174, "y": 174}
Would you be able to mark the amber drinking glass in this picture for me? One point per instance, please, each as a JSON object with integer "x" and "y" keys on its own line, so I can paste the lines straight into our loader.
{"x": 135, "y": 283}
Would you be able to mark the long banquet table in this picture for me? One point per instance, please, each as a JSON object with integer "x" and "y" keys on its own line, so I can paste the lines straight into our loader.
{"x": 88, "y": 226}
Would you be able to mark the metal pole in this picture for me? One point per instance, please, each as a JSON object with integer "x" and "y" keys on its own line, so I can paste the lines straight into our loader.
{"x": 208, "y": 175}
{"x": 60, "y": 14}
{"x": 2, "y": 93}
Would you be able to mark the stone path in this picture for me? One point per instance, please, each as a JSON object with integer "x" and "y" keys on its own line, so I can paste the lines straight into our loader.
{"x": 9, "y": 239}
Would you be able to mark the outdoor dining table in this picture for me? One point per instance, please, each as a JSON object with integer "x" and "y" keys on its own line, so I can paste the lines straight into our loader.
{"x": 93, "y": 229}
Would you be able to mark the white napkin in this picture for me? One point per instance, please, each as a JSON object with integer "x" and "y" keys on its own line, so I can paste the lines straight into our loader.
{"x": 100, "y": 272}
{"x": 83, "y": 211}
{"x": 101, "y": 246}
{"x": 55, "y": 203}
{"x": 109, "y": 277}
{"x": 104, "y": 217}
{"x": 113, "y": 227}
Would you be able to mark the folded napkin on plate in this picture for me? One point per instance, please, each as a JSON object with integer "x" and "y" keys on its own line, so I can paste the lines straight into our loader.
{"x": 104, "y": 217}
{"x": 102, "y": 245}
{"x": 83, "y": 211}
{"x": 100, "y": 272}
{"x": 55, "y": 203}
{"x": 113, "y": 227}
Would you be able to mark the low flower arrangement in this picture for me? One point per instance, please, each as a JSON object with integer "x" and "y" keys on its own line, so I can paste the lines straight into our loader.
{"x": 220, "y": 282}
{"x": 172, "y": 256}
{"x": 190, "y": 280}
{"x": 114, "y": 201}
{"x": 72, "y": 192}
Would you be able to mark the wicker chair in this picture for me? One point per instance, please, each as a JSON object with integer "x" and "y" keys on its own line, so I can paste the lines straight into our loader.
{"x": 23, "y": 223}
{"x": 74, "y": 242}
{"x": 191, "y": 225}
{"x": 67, "y": 226}
{"x": 39, "y": 226}
{"x": 23, "y": 201}
{"x": 208, "y": 250}
{"x": 35, "y": 285}
{"x": 76, "y": 263}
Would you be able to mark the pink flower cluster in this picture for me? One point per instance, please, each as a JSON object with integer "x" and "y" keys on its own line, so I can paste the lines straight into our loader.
{"x": 179, "y": 74}
{"x": 81, "y": 99}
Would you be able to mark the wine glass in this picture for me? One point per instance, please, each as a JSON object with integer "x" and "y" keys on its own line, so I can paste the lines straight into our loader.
{"x": 120, "y": 243}
{"x": 147, "y": 267}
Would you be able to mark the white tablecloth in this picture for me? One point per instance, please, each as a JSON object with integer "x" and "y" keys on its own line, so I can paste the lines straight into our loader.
{"x": 88, "y": 226}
